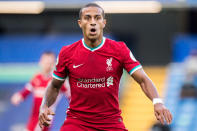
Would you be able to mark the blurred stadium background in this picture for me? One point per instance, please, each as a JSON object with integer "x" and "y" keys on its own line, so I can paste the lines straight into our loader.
{"x": 161, "y": 35}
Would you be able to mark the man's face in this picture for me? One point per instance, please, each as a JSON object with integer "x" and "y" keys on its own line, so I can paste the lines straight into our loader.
{"x": 92, "y": 22}
{"x": 47, "y": 62}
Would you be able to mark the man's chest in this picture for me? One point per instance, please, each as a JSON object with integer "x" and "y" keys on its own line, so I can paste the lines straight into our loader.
{"x": 93, "y": 64}
{"x": 39, "y": 85}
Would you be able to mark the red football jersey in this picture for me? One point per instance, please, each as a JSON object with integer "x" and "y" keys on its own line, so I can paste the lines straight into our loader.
{"x": 37, "y": 87}
{"x": 94, "y": 76}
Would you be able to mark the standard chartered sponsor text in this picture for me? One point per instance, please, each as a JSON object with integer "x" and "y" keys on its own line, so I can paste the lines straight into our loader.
{"x": 92, "y": 80}
{"x": 91, "y": 83}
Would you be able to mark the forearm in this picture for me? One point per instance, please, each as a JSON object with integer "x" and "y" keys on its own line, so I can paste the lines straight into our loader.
{"x": 146, "y": 84}
{"x": 50, "y": 96}
{"x": 161, "y": 112}
{"x": 51, "y": 93}
{"x": 149, "y": 88}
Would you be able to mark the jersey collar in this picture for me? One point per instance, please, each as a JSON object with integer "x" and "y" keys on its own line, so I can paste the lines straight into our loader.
{"x": 95, "y": 48}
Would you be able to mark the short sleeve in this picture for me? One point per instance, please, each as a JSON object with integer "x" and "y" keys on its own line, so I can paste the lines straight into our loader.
{"x": 129, "y": 61}
{"x": 60, "y": 71}
{"x": 29, "y": 86}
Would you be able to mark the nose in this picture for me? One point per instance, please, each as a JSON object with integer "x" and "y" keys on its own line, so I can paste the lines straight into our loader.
{"x": 93, "y": 22}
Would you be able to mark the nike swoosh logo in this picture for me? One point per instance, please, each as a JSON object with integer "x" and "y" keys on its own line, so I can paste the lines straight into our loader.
{"x": 76, "y": 66}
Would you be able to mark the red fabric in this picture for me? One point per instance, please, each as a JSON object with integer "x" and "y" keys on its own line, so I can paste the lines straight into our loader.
{"x": 77, "y": 125}
{"x": 25, "y": 92}
{"x": 39, "y": 84}
{"x": 94, "y": 77}
{"x": 37, "y": 87}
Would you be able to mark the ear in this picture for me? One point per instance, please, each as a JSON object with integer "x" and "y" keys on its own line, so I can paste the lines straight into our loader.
{"x": 104, "y": 23}
{"x": 79, "y": 23}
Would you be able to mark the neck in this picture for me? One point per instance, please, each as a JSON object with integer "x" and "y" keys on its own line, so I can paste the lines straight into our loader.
{"x": 46, "y": 73}
{"x": 93, "y": 42}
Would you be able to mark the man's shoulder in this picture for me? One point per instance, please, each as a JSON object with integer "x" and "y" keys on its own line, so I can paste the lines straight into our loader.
{"x": 36, "y": 77}
{"x": 71, "y": 46}
{"x": 114, "y": 43}
{"x": 68, "y": 49}
{"x": 37, "y": 74}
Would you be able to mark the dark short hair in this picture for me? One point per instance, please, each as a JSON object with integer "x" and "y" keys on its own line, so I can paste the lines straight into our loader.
{"x": 48, "y": 53}
{"x": 91, "y": 5}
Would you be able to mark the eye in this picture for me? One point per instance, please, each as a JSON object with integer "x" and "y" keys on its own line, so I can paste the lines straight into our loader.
{"x": 87, "y": 17}
{"x": 98, "y": 17}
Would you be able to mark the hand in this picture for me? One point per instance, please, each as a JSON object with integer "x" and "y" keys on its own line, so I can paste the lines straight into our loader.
{"x": 162, "y": 113}
{"x": 45, "y": 116}
{"x": 16, "y": 99}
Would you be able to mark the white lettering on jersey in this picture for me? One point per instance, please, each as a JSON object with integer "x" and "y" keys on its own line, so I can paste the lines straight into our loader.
{"x": 95, "y": 82}
{"x": 91, "y": 83}
{"x": 109, "y": 64}
{"x": 132, "y": 57}
{"x": 110, "y": 81}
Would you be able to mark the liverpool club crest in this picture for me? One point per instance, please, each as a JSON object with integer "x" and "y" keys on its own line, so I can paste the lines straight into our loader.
{"x": 109, "y": 64}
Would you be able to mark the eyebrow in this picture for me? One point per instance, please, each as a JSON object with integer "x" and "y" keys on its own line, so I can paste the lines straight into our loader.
{"x": 94, "y": 15}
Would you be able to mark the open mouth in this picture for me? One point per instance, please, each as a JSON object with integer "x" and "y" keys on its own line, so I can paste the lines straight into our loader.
{"x": 93, "y": 30}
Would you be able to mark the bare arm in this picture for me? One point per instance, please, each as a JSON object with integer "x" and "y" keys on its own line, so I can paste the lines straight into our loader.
{"x": 146, "y": 84}
{"x": 20, "y": 96}
{"x": 161, "y": 112}
{"x": 51, "y": 92}
{"x": 48, "y": 100}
